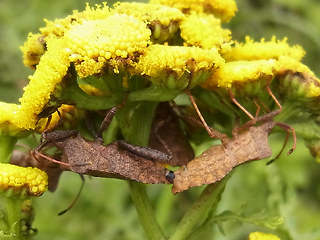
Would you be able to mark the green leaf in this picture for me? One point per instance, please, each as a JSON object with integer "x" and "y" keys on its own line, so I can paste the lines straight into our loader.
{"x": 153, "y": 93}
{"x": 135, "y": 120}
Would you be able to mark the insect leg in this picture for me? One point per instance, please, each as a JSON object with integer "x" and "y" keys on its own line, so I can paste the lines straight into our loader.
{"x": 234, "y": 100}
{"x": 212, "y": 133}
{"x": 288, "y": 128}
{"x": 271, "y": 94}
{"x": 145, "y": 152}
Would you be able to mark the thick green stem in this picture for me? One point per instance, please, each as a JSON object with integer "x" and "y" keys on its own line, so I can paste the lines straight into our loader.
{"x": 13, "y": 207}
{"x": 145, "y": 211}
{"x": 6, "y": 147}
{"x": 198, "y": 214}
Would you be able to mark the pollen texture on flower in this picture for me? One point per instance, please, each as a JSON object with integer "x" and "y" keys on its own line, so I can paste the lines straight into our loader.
{"x": 177, "y": 62}
{"x": 31, "y": 181}
{"x": 49, "y": 73}
{"x": 96, "y": 42}
{"x": 224, "y": 10}
{"x": 149, "y": 12}
{"x": 240, "y": 72}
{"x": 205, "y": 31}
{"x": 33, "y": 49}
{"x": 273, "y": 49}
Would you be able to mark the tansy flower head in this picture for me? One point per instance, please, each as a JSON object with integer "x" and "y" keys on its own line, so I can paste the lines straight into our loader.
{"x": 49, "y": 73}
{"x": 8, "y": 119}
{"x": 178, "y": 67}
{"x": 297, "y": 80}
{"x": 96, "y": 43}
{"x": 273, "y": 49}
{"x": 22, "y": 181}
{"x": 59, "y": 27}
{"x": 240, "y": 72}
{"x": 33, "y": 49}
{"x": 224, "y": 10}
{"x": 205, "y": 31}
{"x": 162, "y": 20}
{"x": 262, "y": 236}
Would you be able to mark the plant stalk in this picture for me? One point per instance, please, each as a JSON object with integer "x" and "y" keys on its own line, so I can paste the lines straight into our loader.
{"x": 145, "y": 212}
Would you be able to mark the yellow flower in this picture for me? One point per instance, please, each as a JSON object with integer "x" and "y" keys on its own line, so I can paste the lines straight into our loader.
{"x": 205, "y": 31}
{"x": 22, "y": 180}
{"x": 49, "y": 73}
{"x": 59, "y": 27}
{"x": 33, "y": 49}
{"x": 96, "y": 43}
{"x": 273, "y": 49}
{"x": 262, "y": 236}
{"x": 307, "y": 86}
{"x": 240, "y": 72}
{"x": 162, "y": 20}
{"x": 149, "y": 12}
{"x": 8, "y": 119}
{"x": 178, "y": 67}
{"x": 224, "y": 10}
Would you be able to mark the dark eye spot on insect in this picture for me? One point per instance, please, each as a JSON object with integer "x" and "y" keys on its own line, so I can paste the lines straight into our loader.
{"x": 170, "y": 176}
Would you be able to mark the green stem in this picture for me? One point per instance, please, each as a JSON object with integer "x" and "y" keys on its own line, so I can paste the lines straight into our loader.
{"x": 6, "y": 148}
{"x": 198, "y": 214}
{"x": 13, "y": 208}
{"x": 145, "y": 211}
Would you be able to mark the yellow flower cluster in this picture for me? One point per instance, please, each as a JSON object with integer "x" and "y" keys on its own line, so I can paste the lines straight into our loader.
{"x": 125, "y": 39}
{"x": 95, "y": 42}
{"x": 23, "y": 181}
{"x": 252, "y": 61}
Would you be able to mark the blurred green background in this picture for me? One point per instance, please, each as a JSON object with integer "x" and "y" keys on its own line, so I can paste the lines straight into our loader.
{"x": 288, "y": 187}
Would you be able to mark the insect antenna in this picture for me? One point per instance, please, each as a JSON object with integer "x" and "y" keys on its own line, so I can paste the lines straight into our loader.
{"x": 76, "y": 198}
{"x": 157, "y": 134}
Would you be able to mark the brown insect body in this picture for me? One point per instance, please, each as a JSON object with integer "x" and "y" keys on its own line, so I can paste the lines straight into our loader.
{"x": 215, "y": 163}
{"x": 110, "y": 161}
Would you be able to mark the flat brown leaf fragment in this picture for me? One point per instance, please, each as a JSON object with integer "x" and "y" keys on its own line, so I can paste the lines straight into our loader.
{"x": 110, "y": 161}
{"x": 215, "y": 163}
